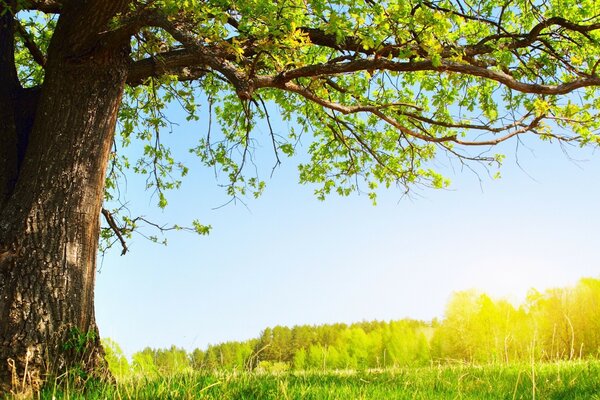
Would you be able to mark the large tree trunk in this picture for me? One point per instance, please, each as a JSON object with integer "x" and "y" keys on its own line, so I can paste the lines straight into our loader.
{"x": 55, "y": 147}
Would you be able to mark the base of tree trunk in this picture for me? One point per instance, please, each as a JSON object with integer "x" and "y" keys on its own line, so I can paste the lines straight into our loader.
{"x": 76, "y": 358}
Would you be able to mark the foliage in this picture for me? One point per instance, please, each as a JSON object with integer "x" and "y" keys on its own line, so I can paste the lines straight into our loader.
{"x": 80, "y": 346}
{"x": 78, "y": 341}
{"x": 377, "y": 88}
{"x": 117, "y": 362}
{"x": 559, "y": 324}
{"x": 379, "y": 91}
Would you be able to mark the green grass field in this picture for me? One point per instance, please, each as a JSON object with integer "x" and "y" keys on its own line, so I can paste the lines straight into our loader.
{"x": 565, "y": 380}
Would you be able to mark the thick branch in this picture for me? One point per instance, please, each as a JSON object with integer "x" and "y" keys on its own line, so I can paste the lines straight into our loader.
{"x": 80, "y": 30}
{"x": 214, "y": 57}
{"x": 181, "y": 63}
{"x": 197, "y": 56}
{"x": 201, "y": 57}
{"x": 558, "y": 21}
{"x": 445, "y": 66}
{"x": 179, "y": 60}
{"x": 46, "y": 6}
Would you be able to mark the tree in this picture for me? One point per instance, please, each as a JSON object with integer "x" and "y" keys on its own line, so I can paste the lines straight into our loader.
{"x": 170, "y": 361}
{"x": 454, "y": 338}
{"x": 300, "y": 360}
{"x": 378, "y": 88}
{"x": 143, "y": 362}
{"x": 117, "y": 361}
{"x": 586, "y": 319}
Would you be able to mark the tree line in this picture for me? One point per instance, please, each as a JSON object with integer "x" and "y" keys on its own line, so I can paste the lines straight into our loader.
{"x": 557, "y": 324}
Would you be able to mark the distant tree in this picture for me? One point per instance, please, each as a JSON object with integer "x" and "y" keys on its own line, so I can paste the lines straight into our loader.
{"x": 262, "y": 349}
{"x": 454, "y": 337}
{"x": 375, "y": 348}
{"x": 377, "y": 90}
{"x": 358, "y": 347}
{"x": 211, "y": 358}
{"x": 405, "y": 344}
{"x": 143, "y": 362}
{"x": 552, "y": 312}
{"x": 172, "y": 360}
{"x": 197, "y": 359}
{"x": 586, "y": 317}
{"x": 303, "y": 336}
{"x": 510, "y": 324}
{"x": 281, "y": 343}
{"x": 567, "y": 320}
{"x": 300, "y": 360}
{"x": 234, "y": 355}
{"x": 332, "y": 360}
{"x": 117, "y": 362}
{"x": 315, "y": 358}
{"x": 476, "y": 328}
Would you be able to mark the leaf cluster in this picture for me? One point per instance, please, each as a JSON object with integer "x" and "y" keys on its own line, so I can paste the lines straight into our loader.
{"x": 381, "y": 92}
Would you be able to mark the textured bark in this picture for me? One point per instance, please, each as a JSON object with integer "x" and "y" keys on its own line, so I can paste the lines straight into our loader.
{"x": 52, "y": 193}
{"x": 9, "y": 89}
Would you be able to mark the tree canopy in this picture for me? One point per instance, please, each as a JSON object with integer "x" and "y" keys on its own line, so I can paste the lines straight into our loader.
{"x": 379, "y": 89}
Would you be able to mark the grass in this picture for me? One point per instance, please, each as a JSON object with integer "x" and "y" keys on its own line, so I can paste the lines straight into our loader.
{"x": 554, "y": 381}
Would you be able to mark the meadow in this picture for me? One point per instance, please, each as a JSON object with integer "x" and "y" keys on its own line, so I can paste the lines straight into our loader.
{"x": 547, "y": 348}
{"x": 568, "y": 380}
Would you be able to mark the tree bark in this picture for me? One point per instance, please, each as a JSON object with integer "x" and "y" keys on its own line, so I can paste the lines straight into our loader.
{"x": 53, "y": 159}
{"x": 9, "y": 89}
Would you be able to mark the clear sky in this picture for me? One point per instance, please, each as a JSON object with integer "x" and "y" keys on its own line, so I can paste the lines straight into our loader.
{"x": 290, "y": 259}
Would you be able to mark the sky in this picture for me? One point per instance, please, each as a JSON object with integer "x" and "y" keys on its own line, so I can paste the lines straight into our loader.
{"x": 290, "y": 259}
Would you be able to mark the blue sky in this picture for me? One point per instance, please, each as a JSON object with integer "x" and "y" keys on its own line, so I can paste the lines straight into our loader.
{"x": 290, "y": 259}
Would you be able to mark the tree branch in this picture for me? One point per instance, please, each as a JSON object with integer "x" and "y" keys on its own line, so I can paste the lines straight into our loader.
{"x": 45, "y": 6}
{"x": 199, "y": 57}
{"x": 370, "y": 64}
{"x": 113, "y": 226}
{"x": 194, "y": 64}
{"x": 38, "y": 56}
{"x": 182, "y": 63}
{"x": 212, "y": 56}
{"x": 455, "y": 125}
{"x": 376, "y": 110}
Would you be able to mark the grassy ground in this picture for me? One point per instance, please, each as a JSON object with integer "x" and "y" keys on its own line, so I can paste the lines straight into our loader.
{"x": 569, "y": 381}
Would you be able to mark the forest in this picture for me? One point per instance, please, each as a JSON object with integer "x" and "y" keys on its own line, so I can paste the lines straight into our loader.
{"x": 553, "y": 325}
